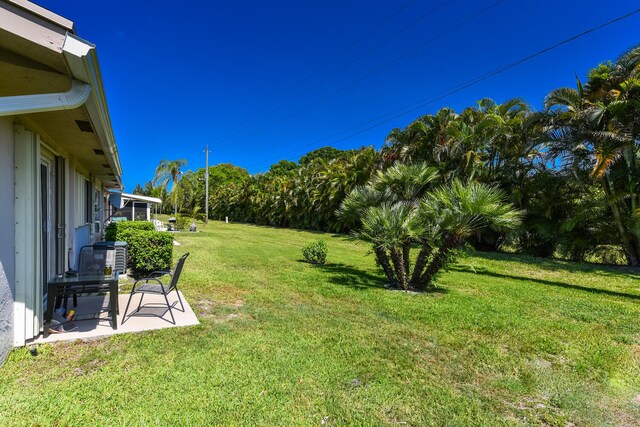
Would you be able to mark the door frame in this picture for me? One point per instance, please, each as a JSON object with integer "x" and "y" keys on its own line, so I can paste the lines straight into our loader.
{"x": 54, "y": 231}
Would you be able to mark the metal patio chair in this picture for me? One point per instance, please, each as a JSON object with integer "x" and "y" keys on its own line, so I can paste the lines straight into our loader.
{"x": 159, "y": 288}
{"x": 92, "y": 261}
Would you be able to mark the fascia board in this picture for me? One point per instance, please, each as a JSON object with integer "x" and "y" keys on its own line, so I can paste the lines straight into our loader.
{"x": 137, "y": 197}
{"x": 43, "y": 13}
{"x": 83, "y": 63}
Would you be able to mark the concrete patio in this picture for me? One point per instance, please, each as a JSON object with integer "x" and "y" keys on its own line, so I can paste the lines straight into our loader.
{"x": 100, "y": 326}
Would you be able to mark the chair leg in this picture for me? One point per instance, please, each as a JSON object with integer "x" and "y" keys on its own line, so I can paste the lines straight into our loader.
{"x": 140, "y": 303}
{"x": 75, "y": 299}
{"x": 124, "y": 317}
{"x": 169, "y": 307}
{"x": 180, "y": 299}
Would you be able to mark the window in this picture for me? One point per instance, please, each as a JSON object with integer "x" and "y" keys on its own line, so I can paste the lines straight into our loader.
{"x": 84, "y": 201}
{"x": 140, "y": 211}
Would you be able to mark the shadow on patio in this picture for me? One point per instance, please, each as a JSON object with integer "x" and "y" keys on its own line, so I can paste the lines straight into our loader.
{"x": 100, "y": 325}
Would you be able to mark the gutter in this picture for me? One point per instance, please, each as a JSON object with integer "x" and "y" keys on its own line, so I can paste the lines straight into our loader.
{"x": 83, "y": 64}
{"x": 26, "y": 104}
{"x": 86, "y": 89}
{"x": 82, "y": 60}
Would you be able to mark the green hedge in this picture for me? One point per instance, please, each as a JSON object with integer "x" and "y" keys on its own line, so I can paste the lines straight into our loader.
{"x": 113, "y": 232}
{"x": 148, "y": 250}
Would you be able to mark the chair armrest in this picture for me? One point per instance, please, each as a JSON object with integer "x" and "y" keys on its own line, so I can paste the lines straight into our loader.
{"x": 147, "y": 280}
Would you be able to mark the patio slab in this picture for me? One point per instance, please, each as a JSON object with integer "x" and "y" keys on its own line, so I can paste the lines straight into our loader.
{"x": 146, "y": 320}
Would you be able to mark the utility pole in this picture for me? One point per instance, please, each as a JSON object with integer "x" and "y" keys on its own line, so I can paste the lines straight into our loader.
{"x": 206, "y": 184}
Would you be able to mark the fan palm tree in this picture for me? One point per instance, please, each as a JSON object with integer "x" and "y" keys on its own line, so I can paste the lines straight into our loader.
{"x": 386, "y": 209}
{"x": 398, "y": 209}
{"x": 168, "y": 172}
{"x": 391, "y": 228}
{"x": 453, "y": 213}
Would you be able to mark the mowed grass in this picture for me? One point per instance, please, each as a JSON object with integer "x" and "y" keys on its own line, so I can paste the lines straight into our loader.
{"x": 506, "y": 340}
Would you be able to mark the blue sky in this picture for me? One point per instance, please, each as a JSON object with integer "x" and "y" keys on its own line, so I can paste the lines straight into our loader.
{"x": 262, "y": 81}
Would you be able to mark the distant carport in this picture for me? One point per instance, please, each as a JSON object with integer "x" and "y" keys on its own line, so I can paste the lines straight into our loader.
{"x": 134, "y": 207}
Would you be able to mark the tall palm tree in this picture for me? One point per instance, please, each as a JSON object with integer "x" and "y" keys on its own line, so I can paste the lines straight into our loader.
{"x": 597, "y": 125}
{"x": 168, "y": 172}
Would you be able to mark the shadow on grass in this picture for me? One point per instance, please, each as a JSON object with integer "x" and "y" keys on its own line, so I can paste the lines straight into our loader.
{"x": 347, "y": 275}
{"x": 547, "y": 282}
{"x": 560, "y": 264}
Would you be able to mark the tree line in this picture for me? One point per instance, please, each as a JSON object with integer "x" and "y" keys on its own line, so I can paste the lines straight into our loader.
{"x": 571, "y": 169}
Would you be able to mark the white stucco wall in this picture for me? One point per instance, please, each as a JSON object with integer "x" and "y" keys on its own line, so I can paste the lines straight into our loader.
{"x": 7, "y": 244}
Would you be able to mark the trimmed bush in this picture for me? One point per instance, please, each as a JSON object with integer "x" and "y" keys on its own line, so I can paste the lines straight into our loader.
{"x": 113, "y": 232}
{"x": 315, "y": 252}
{"x": 149, "y": 250}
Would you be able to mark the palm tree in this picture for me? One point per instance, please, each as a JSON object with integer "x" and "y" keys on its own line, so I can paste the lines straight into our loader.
{"x": 454, "y": 212}
{"x": 596, "y": 125}
{"x": 391, "y": 228}
{"x": 399, "y": 209}
{"x": 168, "y": 172}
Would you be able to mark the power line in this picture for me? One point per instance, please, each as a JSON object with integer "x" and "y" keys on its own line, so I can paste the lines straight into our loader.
{"x": 347, "y": 65}
{"x": 378, "y": 69}
{"x": 460, "y": 87}
{"x": 320, "y": 68}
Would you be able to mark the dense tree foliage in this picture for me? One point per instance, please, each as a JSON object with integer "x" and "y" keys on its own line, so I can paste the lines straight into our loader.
{"x": 596, "y": 127}
{"x": 283, "y": 168}
{"x": 324, "y": 153}
{"x": 307, "y": 197}
{"x": 572, "y": 168}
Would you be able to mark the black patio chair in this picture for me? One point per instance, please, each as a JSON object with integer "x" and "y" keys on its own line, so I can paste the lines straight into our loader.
{"x": 159, "y": 288}
{"x": 92, "y": 261}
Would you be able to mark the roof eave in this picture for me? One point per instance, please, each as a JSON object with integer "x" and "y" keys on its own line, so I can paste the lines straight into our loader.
{"x": 82, "y": 59}
{"x": 141, "y": 198}
{"x": 43, "y": 13}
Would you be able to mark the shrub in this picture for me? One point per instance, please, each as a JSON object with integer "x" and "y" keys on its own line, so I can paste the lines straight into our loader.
{"x": 315, "y": 252}
{"x": 182, "y": 222}
{"x": 149, "y": 250}
{"x": 115, "y": 230}
{"x": 606, "y": 254}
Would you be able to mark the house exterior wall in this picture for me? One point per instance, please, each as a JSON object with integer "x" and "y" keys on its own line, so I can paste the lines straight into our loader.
{"x": 46, "y": 211}
{"x": 7, "y": 255}
{"x": 21, "y": 305}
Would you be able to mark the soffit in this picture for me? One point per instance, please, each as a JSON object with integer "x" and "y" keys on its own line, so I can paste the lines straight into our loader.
{"x": 24, "y": 76}
{"x": 32, "y": 62}
{"x": 61, "y": 130}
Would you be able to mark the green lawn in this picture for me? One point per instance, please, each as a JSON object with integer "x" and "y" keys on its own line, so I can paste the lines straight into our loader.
{"x": 506, "y": 341}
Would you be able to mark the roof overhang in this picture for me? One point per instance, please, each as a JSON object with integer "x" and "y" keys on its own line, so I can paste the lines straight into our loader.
{"x": 139, "y": 198}
{"x": 41, "y": 55}
{"x": 83, "y": 62}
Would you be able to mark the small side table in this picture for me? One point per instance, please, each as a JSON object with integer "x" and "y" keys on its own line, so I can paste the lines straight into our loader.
{"x": 64, "y": 286}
